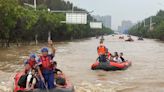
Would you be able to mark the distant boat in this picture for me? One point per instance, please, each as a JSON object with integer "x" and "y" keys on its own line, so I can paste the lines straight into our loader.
{"x": 97, "y": 37}
{"x": 121, "y": 37}
{"x": 140, "y": 38}
{"x": 128, "y": 36}
{"x": 129, "y": 39}
{"x": 102, "y": 38}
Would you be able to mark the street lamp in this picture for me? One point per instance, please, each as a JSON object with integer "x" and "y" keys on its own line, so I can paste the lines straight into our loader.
{"x": 49, "y": 33}
{"x": 33, "y": 6}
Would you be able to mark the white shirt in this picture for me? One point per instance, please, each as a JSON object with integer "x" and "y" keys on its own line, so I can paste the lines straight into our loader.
{"x": 117, "y": 59}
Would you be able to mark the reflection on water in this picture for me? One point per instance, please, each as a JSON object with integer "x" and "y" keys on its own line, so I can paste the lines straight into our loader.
{"x": 76, "y": 57}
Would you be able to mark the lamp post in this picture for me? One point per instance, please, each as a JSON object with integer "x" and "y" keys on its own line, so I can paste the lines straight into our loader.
{"x": 49, "y": 33}
{"x": 151, "y": 24}
{"x": 36, "y": 39}
{"x": 33, "y": 6}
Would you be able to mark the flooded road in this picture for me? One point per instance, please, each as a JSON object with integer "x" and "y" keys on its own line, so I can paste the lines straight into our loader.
{"x": 75, "y": 58}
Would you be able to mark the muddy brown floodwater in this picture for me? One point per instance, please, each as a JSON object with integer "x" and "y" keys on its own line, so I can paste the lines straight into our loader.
{"x": 75, "y": 58}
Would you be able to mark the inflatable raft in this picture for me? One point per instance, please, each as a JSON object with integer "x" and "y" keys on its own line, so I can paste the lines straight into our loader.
{"x": 68, "y": 87}
{"x": 121, "y": 37}
{"x": 129, "y": 40}
{"x": 110, "y": 66}
{"x": 140, "y": 38}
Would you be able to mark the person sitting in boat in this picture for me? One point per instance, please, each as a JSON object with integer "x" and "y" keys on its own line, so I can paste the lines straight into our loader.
{"x": 30, "y": 63}
{"x": 117, "y": 59}
{"x": 121, "y": 57}
{"x": 56, "y": 70}
{"x": 30, "y": 66}
{"x": 101, "y": 49}
{"x": 115, "y": 54}
{"x": 46, "y": 68}
{"x": 28, "y": 80}
{"x": 31, "y": 79}
{"x": 60, "y": 80}
{"x": 108, "y": 54}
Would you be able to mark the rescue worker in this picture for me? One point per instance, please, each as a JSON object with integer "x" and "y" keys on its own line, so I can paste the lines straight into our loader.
{"x": 27, "y": 80}
{"x": 101, "y": 49}
{"x": 46, "y": 68}
{"x": 30, "y": 63}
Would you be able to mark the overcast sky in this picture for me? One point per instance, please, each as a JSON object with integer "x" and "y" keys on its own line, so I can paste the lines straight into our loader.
{"x": 134, "y": 10}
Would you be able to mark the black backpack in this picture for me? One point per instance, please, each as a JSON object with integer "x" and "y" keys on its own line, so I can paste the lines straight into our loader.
{"x": 60, "y": 81}
{"x": 22, "y": 81}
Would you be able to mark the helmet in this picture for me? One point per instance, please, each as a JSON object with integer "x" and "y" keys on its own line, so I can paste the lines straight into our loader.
{"x": 44, "y": 50}
{"x": 32, "y": 56}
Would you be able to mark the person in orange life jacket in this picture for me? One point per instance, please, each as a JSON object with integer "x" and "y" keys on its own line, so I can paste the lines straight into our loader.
{"x": 30, "y": 63}
{"x": 105, "y": 57}
{"x": 101, "y": 49}
{"x": 45, "y": 69}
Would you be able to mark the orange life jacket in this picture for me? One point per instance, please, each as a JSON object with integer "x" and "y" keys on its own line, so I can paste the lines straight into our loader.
{"x": 31, "y": 63}
{"x": 46, "y": 64}
{"x": 101, "y": 50}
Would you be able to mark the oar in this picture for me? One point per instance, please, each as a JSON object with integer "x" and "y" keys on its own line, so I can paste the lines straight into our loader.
{"x": 46, "y": 86}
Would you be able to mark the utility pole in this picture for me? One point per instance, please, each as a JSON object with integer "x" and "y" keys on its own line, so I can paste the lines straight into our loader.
{"x": 151, "y": 24}
{"x": 49, "y": 36}
{"x": 144, "y": 24}
{"x": 72, "y": 8}
{"x": 49, "y": 33}
{"x": 36, "y": 39}
{"x": 35, "y": 4}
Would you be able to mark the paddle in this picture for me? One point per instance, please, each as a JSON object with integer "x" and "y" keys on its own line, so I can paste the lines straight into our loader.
{"x": 45, "y": 86}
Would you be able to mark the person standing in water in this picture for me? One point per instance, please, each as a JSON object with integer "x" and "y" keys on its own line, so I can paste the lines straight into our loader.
{"x": 46, "y": 68}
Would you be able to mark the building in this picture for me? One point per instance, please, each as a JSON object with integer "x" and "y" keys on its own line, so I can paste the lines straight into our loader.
{"x": 106, "y": 20}
{"x": 125, "y": 26}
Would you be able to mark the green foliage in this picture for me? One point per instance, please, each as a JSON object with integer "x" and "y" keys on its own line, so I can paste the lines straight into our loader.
{"x": 157, "y": 32}
{"x": 22, "y": 23}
